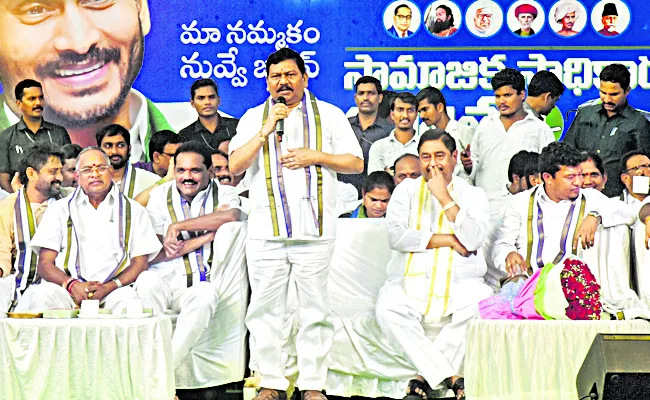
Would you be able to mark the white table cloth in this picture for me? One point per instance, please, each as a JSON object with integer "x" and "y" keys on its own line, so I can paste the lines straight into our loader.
{"x": 86, "y": 359}
{"x": 508, "y": 360}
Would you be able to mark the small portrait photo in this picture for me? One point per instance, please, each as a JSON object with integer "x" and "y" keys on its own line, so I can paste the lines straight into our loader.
{"x": 484, "y": 18}
{"x": 402, "y": 19}
{"x": 610, "y": 17}
{"x": 525, "y": 18}
{"x": 443, "y": 18}
{"x": 567, "y": 18}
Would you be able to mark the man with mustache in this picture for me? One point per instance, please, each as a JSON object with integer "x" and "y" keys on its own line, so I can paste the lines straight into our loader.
{"x": 292, "y": 223}
{"x": 221, "y": 170}
{"x": 367, "y": 126}
{"x": 186, "y": 213}
{"x": 612, "y": 128}
{"x": 402, "y": 139}
{"x": 525, "y": 14}
{"x": 114, "y": 141}
{"x": 87, "y": 56}
{"x": 442, "y": 24}
{"x": 609, "y": 20}
{"x": 482, "y": 23}
{"x": 566, "y": 14}
{"x": 30, "y": 129}
{"x": 499, "y": 137}
{"x": 40, "y": 173}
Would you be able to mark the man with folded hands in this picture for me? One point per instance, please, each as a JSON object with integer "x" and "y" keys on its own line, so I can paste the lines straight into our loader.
{"x": 93, "y": 244}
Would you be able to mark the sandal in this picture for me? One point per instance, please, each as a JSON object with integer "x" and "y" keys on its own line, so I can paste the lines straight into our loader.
{"x": 459, "y": 385}
{"x": 313, "y": 395}
{"x": 416, "y": 384}
{"x": 271, "y": 394}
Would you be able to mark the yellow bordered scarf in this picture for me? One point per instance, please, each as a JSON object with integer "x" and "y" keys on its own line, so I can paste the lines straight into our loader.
{"x": 24, "y": 229}
{"x": 428, "y": 274}
{"x": 121, "y": 213}
{"x": 179, "y": 211}
{"x": 129, "y": 176}
{"x": 313, "y": 139}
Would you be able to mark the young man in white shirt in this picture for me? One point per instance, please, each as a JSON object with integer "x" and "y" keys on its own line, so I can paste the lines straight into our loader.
{"x": 499, "y": 137}
{"x": 293, "y": 217}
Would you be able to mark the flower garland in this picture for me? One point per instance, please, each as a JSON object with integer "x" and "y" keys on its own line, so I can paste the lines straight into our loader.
{"x": 581, "y": 291}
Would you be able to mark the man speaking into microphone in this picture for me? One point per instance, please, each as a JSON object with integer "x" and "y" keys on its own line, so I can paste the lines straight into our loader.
{"x": 292, "y": 222}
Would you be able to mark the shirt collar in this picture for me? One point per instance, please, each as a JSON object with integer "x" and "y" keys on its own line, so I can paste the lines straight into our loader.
{"x": 627, "y": 111}
{"x": 82, "y": 197}
{"x": 392, "y": 137}
{"x": 530, "y": 109}
{"x": 541, "y": 192}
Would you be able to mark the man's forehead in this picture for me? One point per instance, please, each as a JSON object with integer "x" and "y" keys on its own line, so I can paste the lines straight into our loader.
{"x": 284, "y": 66}
{"x": 637, "y": 160}
{"x": 113, "y": 139}
{"x": 92, "y": 157}
{"x": 483, "y": 11}
{"x": 53, "y": 162}
{"x": 367, "y": 87}
{"x": 219, "y": 159}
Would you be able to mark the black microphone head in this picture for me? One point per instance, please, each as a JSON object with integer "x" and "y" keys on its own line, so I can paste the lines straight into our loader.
{"x": 282, "y": 100}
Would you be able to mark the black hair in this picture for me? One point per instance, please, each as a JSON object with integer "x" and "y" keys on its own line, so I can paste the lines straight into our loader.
{"x": 384, "y": 105}
{"x": 598, "y": 162}
{"x": 36, "y": 156}
{"x": 400, "y": 158}
{"x": 71, "y": 151}
{"x": 402, "y": 6}
{"x": 448, "y": 12}
{"x": 378, "y": 179}
{"x": 405, "y": 97}
{"x": 616, "y": 73}
{"x": 203, "y": 83}
{"x": 160, "y": 139}
{"x": 368, "y": 79}
{"x": 627, "y": 156}
{"x": 433, "y": 96}
{"x": 545, "y": 82}
{"x": 113, "y": 130}
{"x": 284, "y": 54}
{"x": 558, "y": 154}
{"x": 509, "y": 77}
{"x": 217, "y": 151}
{"x": 24, "y": 84}
{"x": 438, "y": 134}
{"x": 197, "y": 148}
{"x": 519, "y": 164}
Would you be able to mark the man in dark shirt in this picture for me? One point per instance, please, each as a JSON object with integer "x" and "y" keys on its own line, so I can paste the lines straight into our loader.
{"x": 162, "y": 146}
{"x": 366, "y": 126}
{"x": 211, "y": 128}
{"x": 612, "y": 128}
{"x": 30, "y": 129}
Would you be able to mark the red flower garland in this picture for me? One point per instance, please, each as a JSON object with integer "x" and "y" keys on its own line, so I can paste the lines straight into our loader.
{"x": 581, "y": 290}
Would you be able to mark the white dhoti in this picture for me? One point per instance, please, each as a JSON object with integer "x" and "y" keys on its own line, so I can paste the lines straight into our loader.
{"x": 436, "y": 350}
{"x": 270, "y": 264}
{"x": 47, "y": 296}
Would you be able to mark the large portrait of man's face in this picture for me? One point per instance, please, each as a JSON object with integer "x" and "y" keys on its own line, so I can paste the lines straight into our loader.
{"x": 85, "y": 53}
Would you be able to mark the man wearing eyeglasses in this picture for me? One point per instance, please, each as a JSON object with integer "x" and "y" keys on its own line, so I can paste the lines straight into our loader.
{"x": 114, "y": 141}
{"x": 94, "y": 244}
{"x": 402, "y": 22}
{"x": 636, "y": 170}
{"x": 162, "y": 147}
{"x": 482, "y": 23}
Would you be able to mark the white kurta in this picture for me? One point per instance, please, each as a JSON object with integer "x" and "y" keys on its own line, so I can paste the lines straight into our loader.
{"x": 513, "y": 232}
{"x": 399, "y": 316}
{"x": 492, "y": 148}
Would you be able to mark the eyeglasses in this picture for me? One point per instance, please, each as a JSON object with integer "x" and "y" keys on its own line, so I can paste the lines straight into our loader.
{"x": 169, "y": 154}
{"x": 638, "y": 168}
{"x": 404, "y": 17}
{"x": 89, "y": 170}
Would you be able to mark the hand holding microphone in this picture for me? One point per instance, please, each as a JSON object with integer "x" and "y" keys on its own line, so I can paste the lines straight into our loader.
{"x": 279, "y": 125}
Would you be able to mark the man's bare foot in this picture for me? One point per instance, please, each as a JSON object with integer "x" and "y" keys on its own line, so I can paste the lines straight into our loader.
{"x": 271, "y": 394}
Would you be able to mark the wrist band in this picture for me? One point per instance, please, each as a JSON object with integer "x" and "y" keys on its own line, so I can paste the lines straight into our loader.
{"x": 71, "y": 285}
{"x": 448, "y": 206}
{"x": 118, "y": 283}
{"x": 66, "y": 283}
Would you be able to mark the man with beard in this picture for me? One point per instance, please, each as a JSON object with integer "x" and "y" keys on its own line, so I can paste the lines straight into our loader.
{"x": 612, "y": 128}
{"x": 442, "y": 25}
{"x": 94, "y": 244}
{"x": 402, "y": 22}
{"x": 543, "y": 224}
{"x": 87, "y": 56}
{"x": 566, "y": 14}
{"x": 436, "y": 226}
{"x": 402, "y": 139}
{"x": 185, "y": 214}
{"x": 211, "y": 128}
{"x": 114, "y": 141}
{"x": 20, "y": 214}
{"x": 525, "y": 14}
{"x": 499, "y": 137}
{"x": 30, "y": 129}
{"x": 609, "y": 20}
{"x": 367, "y": 126}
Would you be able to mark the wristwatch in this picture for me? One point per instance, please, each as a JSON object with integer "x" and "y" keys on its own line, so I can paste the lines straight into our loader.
{"x": 595, "y": 214}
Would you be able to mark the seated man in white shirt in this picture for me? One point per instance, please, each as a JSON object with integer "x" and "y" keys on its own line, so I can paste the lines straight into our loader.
{"x": 186, "y": 214}
{"x": 402, "y": 139}
{"x": 436, "y": 227}
{"x": 636, "y": 170}
{"x": 543, "y": 224}
{"x": 93, "y": 244}
{"x": 499, "y": 137}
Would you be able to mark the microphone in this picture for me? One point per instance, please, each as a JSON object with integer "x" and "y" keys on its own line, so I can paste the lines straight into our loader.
{"x": 279, "y": 126}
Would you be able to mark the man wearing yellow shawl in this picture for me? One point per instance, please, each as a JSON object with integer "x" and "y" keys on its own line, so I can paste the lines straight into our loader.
{"x": 436, "y": 226}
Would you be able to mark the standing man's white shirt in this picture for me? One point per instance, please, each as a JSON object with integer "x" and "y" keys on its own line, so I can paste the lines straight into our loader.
{"x": 384, "y": 152}
{"x": 492, "y": 148}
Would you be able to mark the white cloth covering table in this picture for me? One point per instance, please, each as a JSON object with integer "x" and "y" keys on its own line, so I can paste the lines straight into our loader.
{"x": 508, "y": 360}
{"x": 86, "y": 359}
